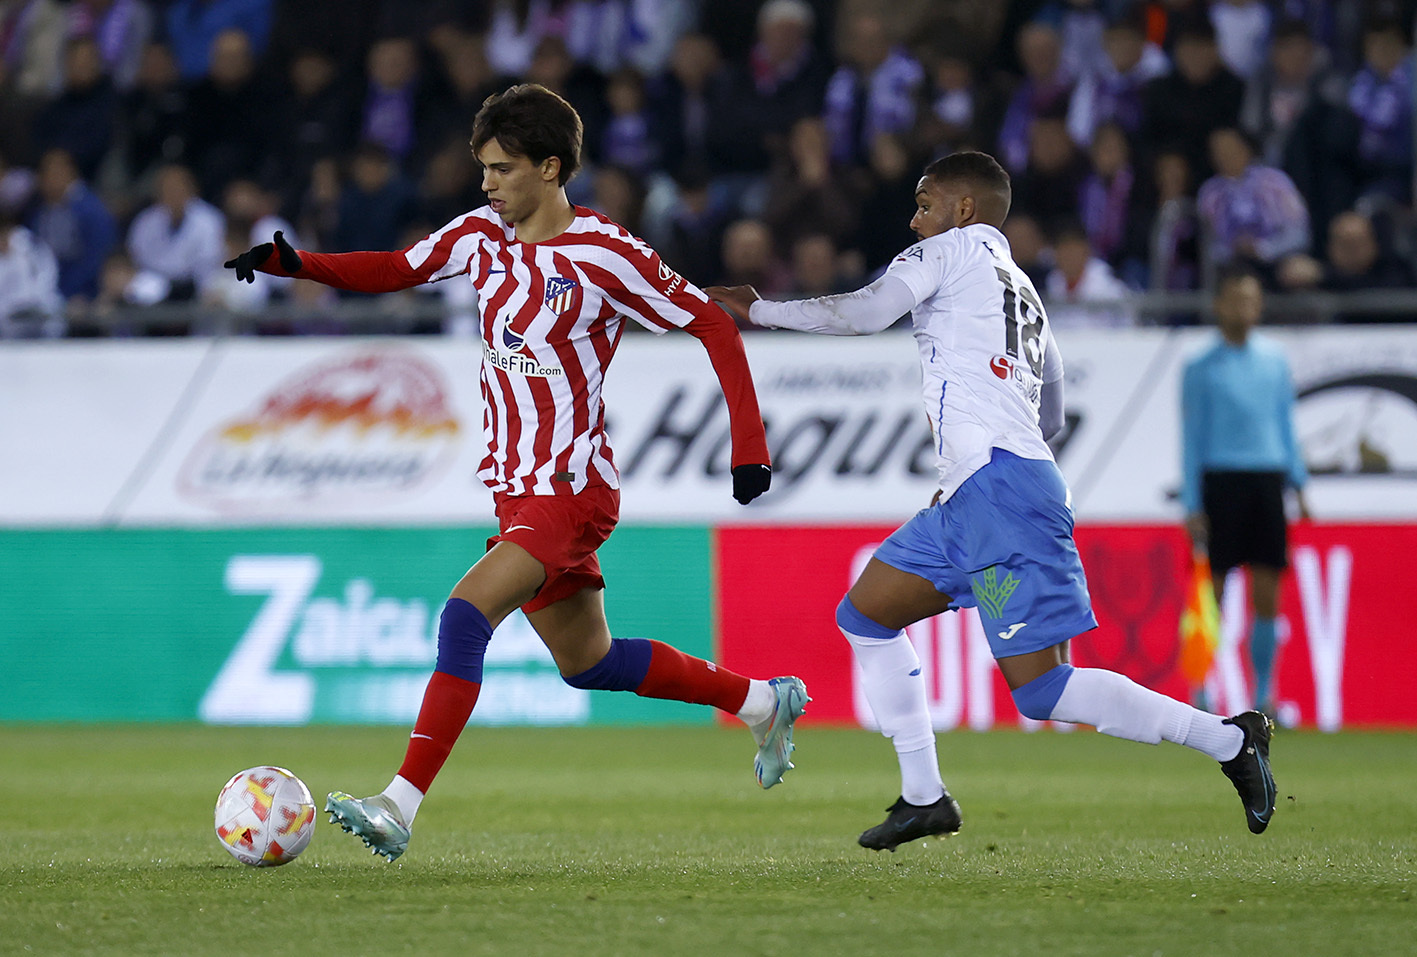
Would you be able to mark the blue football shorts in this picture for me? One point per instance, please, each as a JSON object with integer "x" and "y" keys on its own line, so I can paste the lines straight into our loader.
{"x": 1003, "y": 543}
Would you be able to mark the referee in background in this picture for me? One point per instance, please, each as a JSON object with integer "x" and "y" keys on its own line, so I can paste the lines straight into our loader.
{"x": 1238, "y": 455}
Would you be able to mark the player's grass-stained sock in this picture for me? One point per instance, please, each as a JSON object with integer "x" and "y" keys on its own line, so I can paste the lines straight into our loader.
{"x": 1264, "y": 644}
{"x": 463, "y": 633}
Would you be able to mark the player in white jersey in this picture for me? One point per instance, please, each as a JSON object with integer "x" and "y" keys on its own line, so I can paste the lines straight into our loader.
{"x": 998, "y": 534}
{"x": 555, "y": 283}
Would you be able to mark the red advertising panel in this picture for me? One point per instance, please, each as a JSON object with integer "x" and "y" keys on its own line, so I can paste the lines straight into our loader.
{"x": 1348, "y": 657}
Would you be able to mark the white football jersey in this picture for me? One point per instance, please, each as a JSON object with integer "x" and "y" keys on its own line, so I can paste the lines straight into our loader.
{"x": 985, "y": 348}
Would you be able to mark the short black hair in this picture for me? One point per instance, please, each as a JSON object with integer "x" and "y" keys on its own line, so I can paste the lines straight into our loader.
{"x": 529, "y": 120}
{"x": 977, "y": 170}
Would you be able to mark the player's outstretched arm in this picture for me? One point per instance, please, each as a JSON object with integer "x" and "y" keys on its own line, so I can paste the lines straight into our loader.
{"x": 370, "y": 272}
{"x": 752, "y": 469}
{"x": 860, "y": 313}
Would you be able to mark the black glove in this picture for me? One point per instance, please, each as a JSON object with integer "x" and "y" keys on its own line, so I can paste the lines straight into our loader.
{"x": 750, "y": 481}
{"x": 246, "y": 264}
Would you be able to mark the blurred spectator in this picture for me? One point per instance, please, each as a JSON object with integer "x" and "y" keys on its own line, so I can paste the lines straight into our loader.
{"x": 690, "y": 107}
{"x": 1242, "y": 31}
{"x": 749, "y": 258}
{"x": 153, "y": 117}
{"x": 1080, "y": 25}
{"x": 1356, "y": 261}
{"x": 467, "y": 81}
{"x": 1112, "y": 90}
{"x": 817, "y": 268}
{"x": 1081, "y": 291}
{"x": 1044, "y": 90}
{"x": 375, "y": 205}
{"x": 606, "y": 35}
{"x": 963, "y": 109}
{"x": 16, "y": 187}
{"x": 72, "y": 222}
{"x": 1277, "y": 95}
{"x": 1381, "y": 96}
{"x": 30, "y": 303}
{"x": 228, "y": 124}
{"x": 317, "y": 217}
{"x": 582, "y": 87}
{"x": 1296, "y": 110}
{"x": 1049, "y": 185}
{"x": 1179, "y": 110}
{"x": 874, "y": 91}
{"x": 193, "y": 27}
{"x": 1174, "y": 226}
{"x": 314, "y": 118}
{"x": 180, "y": 238}
{"x": 888, "y": 202}
{"x": 1252, "y": 212}
{"x": 1028, "y": 245}
{"x": 785, "y": 78}
{"x": 122, "y": 30}
{"x": 626, "y": 139}
{"x": 619, "y": 194}
{"x": 449, "y": 186}
{"x": 694, "y": 235}
{"x": 806, "y": 195}
{"x": 397, "y": 107}
{"x": 1108, "y": 204}
{"x": 80, "y": 119}
{"x": 33, "y": 34}
{"x": 252, "y": 215}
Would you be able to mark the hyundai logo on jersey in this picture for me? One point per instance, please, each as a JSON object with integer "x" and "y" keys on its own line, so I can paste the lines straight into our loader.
{"x": 561, "y": 294}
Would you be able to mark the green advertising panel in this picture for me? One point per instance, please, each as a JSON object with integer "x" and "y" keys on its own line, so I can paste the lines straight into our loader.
{"x": 294, "y": 626}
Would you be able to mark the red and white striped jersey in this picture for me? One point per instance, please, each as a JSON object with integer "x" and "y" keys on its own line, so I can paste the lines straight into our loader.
{"x": 551, "y": 316}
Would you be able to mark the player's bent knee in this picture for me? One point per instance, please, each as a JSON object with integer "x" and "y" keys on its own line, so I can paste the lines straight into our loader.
{"x": 463, "y": 633}
{"x": 1039, "y": 697}
{"x": 622, "y": 669}
{"x": 850, "y": 620}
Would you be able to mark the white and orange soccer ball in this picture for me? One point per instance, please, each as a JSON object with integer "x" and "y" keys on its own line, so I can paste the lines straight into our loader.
{"x": 264, "y": 816}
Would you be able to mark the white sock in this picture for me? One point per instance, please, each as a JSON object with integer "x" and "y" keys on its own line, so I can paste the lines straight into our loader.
{"x": 1115, "y": 704}
{"x": 759, "y": 705}
{"x": 920, "y": 781}
{"x": 890, "y": 676}
{"x": 405, "y": 796}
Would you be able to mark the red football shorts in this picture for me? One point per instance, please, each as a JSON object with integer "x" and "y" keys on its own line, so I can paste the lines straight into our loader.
{"x": 562, "y": 532}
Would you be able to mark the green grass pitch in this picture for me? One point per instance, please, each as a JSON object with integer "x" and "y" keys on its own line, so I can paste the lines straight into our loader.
{"x": 657, "y": 841}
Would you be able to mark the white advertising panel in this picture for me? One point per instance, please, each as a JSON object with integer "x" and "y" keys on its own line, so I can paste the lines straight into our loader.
{"x": 388, "y": 431}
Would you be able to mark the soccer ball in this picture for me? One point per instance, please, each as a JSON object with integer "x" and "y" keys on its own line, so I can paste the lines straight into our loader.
{"x": 264, "y": 816}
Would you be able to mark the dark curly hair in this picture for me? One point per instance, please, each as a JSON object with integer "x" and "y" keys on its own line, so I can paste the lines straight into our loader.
{"x": 529, "y": 120}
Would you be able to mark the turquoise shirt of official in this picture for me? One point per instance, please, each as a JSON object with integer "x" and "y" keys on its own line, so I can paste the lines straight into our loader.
{"x": 1237, "y": 415}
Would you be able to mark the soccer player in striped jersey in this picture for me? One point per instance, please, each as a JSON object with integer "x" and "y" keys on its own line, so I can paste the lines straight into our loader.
{"x": 999, "y": 534}
{"x": 555, "y": 283}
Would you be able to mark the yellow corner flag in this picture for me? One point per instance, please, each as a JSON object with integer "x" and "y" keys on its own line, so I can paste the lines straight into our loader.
{"x": 1200, "y": 622}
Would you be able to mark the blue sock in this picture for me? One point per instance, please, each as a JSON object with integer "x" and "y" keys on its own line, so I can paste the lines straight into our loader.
{"x": 1264, "y": 644}
{"x": 463, "y": 633}
{"x": 850, "y": 620}
{"x": 622, "y": 669}
{"x": 1039, "y": 697}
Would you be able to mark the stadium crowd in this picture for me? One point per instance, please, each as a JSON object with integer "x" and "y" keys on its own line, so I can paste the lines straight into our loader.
{"x": 778, "y": 143}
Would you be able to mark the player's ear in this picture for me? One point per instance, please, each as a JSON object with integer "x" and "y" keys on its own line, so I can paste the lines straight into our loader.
{"x": 550, "y": 168}
{"x": 965, "y": 209}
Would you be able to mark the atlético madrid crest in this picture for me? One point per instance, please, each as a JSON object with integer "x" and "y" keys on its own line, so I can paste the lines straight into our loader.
{"x": 561, "y": 294}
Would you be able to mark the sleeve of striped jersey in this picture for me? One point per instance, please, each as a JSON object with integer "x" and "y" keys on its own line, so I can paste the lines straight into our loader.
{"x": 724, "y": 345}
{"x": 439, "y": 255}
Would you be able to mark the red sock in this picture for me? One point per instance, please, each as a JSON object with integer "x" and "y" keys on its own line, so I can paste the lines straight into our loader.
{"x": 680, "y": 677}
{"x": 447, "y": 704}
